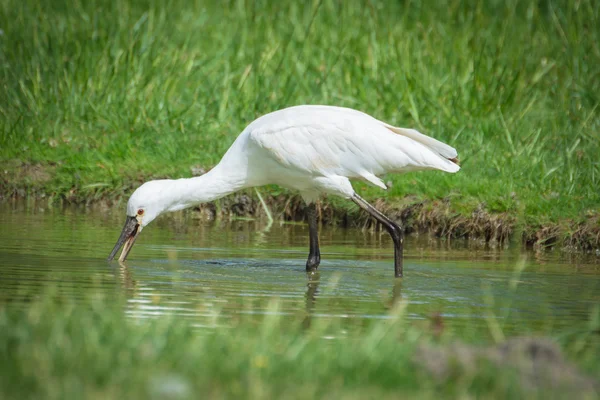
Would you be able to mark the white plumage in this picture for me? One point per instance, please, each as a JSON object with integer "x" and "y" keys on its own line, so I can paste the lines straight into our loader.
{"x": 317, "y": 148}
{"x": 313, "y": 149}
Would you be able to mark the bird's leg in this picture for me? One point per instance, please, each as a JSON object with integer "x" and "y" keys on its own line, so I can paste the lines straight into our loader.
{"x": 395, "y": 231}
{"x": 314, "y": 255}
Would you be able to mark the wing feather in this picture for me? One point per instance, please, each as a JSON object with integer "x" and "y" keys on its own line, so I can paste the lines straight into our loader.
{"x": 323, "y": 140}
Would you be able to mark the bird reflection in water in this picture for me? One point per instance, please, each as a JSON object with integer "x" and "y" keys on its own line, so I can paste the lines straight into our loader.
{"x": 124, "y": 276}
{"x": 312, "y": 288}
{"x": 396, "y": 293}
{"x": 312, "y": 292}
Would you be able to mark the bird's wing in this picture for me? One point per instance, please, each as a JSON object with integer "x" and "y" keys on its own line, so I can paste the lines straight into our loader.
{"x": 314, "y": 146}
{"x": 321, "y": 140}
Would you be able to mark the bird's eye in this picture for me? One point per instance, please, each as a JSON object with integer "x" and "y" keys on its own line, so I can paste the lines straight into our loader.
{"x": 140, "y": 212}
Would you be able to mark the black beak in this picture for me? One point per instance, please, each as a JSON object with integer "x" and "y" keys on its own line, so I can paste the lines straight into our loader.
{"x": 129, "y": 233}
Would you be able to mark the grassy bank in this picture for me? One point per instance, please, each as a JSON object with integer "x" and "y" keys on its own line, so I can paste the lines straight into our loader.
{"x": 56, "y": 348}
{"x": 96, "y": 97}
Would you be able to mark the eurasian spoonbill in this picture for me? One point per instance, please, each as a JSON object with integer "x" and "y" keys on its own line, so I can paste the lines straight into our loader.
{"x": 310, "y": 148}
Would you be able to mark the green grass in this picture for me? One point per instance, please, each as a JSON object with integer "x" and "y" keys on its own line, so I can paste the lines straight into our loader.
{"x": 97, "y": 96}
{"x": 55, "y": 348}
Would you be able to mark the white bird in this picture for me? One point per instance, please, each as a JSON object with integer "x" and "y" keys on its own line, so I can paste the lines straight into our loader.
{"x": 310, "y": 148}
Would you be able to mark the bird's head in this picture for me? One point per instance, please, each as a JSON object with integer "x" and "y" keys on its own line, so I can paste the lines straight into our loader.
{"x": 146, "y": 203}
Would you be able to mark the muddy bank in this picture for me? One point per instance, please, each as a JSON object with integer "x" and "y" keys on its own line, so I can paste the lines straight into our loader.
{"x": 430, "y": 217}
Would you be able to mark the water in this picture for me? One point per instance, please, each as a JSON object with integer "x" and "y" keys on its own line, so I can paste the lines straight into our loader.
{"x": 198, "y": 269}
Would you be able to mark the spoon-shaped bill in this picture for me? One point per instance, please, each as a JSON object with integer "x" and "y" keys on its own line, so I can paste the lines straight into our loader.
{"x": 129, "y": 233}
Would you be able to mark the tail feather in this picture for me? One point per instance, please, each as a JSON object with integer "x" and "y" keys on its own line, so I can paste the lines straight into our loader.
{"x": 448, "y": 152}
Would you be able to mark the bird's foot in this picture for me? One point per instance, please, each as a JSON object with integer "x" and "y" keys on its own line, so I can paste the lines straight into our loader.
{"x": 313, "y": 263}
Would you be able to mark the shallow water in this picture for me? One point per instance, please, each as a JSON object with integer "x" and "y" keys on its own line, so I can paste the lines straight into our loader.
{"x": 198, "y": 269}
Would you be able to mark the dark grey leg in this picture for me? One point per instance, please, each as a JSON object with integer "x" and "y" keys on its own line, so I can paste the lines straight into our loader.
{"x": 314, "y": 255}
{"x": 395, "y": 231}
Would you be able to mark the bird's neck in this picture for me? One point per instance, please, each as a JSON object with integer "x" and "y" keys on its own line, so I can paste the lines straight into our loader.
{"x": 217, "y": 183}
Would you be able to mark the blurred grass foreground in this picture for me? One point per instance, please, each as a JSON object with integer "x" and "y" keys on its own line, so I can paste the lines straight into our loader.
{"x": 97, "y": 96}
{"x": 57, "y": 348}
